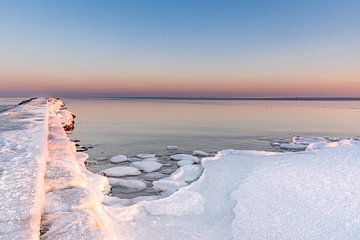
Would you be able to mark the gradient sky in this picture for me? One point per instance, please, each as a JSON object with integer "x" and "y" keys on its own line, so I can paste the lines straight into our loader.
{"x": 227, "y": 48}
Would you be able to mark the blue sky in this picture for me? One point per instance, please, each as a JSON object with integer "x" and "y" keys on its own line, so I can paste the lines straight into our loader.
{"x": 180, "y": 48}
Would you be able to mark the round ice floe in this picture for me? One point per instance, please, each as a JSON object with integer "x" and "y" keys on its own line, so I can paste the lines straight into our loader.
{"x": 187, "y": 173}
{"x": 201, "y": 153}
{"x": 154, "y": 176}
{"x": 275, "y": 144}
{"x": 128, "y": 183}
{"x": 292, "y": 147}
{"x": 168, "y": 185}
{"x": 185, "y": 162}
{"x": 145, "y": 155}
{"x": 147, "y": 166}
{"x": 100, "y": 158}
{"x": 81, "y": 156}
{"x": 179, "y": 157}
{"x": 119, "y": 158}
{"x": 172, "y": 147}
{"x": 121, "y": 171}
{"x": 149, "y": 160}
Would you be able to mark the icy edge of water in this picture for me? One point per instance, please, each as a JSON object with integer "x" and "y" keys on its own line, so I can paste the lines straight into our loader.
{"x": 73, "y": 207}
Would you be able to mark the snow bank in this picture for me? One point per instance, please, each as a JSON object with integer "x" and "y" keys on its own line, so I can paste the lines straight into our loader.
{"x": 23, "y": 153}
{"x": 73, "y": 208}
{"x": 256, "y": 195}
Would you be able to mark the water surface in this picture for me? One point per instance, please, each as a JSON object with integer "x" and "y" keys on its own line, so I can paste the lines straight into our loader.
{"x": 131, "y": 126}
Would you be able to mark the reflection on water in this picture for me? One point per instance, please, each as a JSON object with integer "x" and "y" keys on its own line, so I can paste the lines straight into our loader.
{"x": 132, "y": 126}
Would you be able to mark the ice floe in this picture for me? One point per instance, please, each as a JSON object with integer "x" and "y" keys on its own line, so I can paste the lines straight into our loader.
{"x": 179, "y": 157}
{"x": 121, "y": 171}
{"x": 147, "y": 166}
{"x": 201, "y": 153}
{"x": 172, "y": 147}
{"x": 185, "y": 162}
{"x": 119, "y": 158}
{"x": 292, "y": 146}
{"x": 145, "y": 155}
{"x": 129, "y": 183}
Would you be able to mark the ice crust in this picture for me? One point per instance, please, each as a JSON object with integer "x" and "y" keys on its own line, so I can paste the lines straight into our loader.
{"x": 73, "y": 208}
{"x": 23, "y": 154}
{"x": 256, "y": 195}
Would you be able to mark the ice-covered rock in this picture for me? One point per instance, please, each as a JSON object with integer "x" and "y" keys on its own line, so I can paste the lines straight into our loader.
{"x": 121, "y": 171}
{"x": 119, "y": 158}
{"x": 293, "y": 147}
{"x": 145, "y": 155}
{"x": 201, "y": 153}
{"x": 179, "y": 157}
{"x": 128, "y": 183}
{"x": 172, "y": 147}
{"x": 149, "y": 166}
{"x": 82, "y": 157}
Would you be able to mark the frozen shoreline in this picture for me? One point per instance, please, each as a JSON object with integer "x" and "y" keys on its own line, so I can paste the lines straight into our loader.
{"x": 240, "y": 195}
{"x": 23, "y": 153}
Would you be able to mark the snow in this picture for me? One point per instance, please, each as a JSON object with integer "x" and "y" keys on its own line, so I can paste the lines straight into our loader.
{"x": 307, "y": 140}
{"x": 185, "y": 162}
{"x": 255, "y": 195}
{"x": 128, "y": 183}
{"x": 23, "y": 155}
{"x": 187, "y": 173}
{"x": 120, "y": 171}
{"x": 145, "y": 155}
{"x": 201, "y": 153}
{"x": 119, "y": 158}
{"x": 168, "y": 185}
{"x": 73, "y": 206}
{"x": 179, "y": 157}
{"x": 147, "y": 166}
{"x": 292, "y": 146}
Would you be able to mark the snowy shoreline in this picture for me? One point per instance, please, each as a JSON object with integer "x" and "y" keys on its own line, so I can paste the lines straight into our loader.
{"x": 311, "y": 194}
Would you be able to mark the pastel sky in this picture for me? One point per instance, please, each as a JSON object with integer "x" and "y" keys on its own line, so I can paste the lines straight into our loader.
{"x": 253, "y": 48}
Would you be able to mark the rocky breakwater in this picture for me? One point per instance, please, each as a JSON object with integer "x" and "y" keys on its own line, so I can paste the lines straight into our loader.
{"x": 73, "y": 194}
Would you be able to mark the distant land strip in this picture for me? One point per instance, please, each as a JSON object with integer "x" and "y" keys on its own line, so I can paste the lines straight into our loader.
{"x": 231, "y": 98}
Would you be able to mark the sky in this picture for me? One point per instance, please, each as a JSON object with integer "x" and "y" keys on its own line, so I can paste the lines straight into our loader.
{"x": 184, "y": 48}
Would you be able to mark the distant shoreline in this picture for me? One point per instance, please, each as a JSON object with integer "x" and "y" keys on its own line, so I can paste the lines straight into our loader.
{"x": 230, "y": 98}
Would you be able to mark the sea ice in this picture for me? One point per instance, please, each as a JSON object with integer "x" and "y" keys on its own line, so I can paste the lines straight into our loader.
{"x": 179, "y": 157}
{"x": 168, "y": 185}
{"x": 120, "y": 171}
{"x": 201, "y": 153}
{"x": 128, "y": 183}
{"x": 172, "y": 147}
{"x": 185, "y": 162}
{"x": 145, "y": 155}
{"x": 119, "y": 158}
{"x": 187, "y": 173}
{"x": 292, "y": 146}
{"x": 147, "y": 166}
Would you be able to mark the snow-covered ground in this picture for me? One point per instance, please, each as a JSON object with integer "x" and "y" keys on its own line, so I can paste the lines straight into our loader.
{"x": 23, "y": 153}
{"x": 258, "y": 195}
{"x": 311, "y": 194}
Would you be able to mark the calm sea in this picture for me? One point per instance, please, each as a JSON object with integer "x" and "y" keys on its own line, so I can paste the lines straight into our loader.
{"x": 130, "y": 126}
